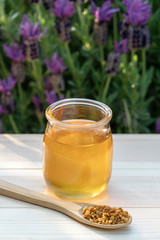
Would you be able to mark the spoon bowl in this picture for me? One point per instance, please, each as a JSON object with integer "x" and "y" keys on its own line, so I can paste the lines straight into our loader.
{"x": 71, "y": 209}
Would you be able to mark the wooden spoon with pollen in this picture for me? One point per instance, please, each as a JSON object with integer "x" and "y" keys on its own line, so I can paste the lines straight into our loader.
{"x": 72, "y": 209}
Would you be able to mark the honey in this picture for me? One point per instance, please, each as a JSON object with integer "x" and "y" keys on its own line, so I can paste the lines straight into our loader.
{"x": 77, "y": 162}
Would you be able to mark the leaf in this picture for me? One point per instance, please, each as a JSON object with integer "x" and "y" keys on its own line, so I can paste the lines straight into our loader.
{"x": 85, "y": 69}
{"x": 15, "y": 15}
{"x": 146, "y": 81}
{"x": 112, "y": 97}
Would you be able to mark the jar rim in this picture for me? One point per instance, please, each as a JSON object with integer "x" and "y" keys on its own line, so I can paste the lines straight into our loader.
{"x": 73, "y": 101}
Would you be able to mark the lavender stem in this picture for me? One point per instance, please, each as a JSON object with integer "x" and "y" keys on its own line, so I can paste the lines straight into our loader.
{"x": 129, "y": 121}
{"x": 125, "y": 60}
{"x": 102, "y": 56}
{"x": 38, "y": 77}
{"x": 39, "y": 12}
{"x": 81, "y": 19}
{"x": 106, "y": 87}
{"x": 79, "y": 11}
{"x": 13, "y": 124}
{"x": 4, "y": 69}
{"x": 41, "y": 122}
{"x": 21, "y": 98}
{"x": 115, "y": 32}
{"x": 143, "y": 63}
{"x": 132, "y": 60}
{"x": 71, "y": 65}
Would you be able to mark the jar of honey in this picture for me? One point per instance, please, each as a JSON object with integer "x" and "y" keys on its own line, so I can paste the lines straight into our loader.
{"x": 77, "y": 148}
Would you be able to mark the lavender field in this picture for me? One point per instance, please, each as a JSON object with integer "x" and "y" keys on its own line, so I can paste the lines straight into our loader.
{"x": 103, "y": 50}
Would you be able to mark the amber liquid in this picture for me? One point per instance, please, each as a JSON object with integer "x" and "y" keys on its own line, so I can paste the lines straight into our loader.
{"x": 77, "y": 163}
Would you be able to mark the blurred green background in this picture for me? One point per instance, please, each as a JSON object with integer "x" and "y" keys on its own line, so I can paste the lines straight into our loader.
{"x": 132, "y": 94}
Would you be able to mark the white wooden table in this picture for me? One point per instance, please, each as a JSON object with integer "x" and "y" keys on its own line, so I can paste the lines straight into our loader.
{"x": 134, "y": 185}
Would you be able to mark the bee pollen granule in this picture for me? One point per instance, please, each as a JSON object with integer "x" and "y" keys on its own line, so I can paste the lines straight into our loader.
{"x": 104, "y": 214}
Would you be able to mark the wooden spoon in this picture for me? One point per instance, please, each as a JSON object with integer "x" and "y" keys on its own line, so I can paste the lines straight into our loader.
{"x": 69, "y": 208}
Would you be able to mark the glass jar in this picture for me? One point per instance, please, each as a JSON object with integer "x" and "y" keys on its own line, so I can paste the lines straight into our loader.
{"x": 77, "y": 148}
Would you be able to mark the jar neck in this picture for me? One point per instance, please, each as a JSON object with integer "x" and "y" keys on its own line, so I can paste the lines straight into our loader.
{"x": 62, "y": 112}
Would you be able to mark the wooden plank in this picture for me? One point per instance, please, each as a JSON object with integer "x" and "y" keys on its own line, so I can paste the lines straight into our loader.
{"x": 138, "y": 165}
{"x": 143, "y": 149}
{"x": 25, "y": 151}
{"x": 126, "y": 187}
{"x": 38, "y": 223}
{"x": 134, "y": 185}
{"x": 21, "y": 151}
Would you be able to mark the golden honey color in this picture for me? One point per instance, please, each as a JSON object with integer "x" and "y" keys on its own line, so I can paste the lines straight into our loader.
{"x": 77, "y": 163}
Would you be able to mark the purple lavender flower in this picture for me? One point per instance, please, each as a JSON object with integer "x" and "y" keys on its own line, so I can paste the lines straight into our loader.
{"x": 121, "y": 47}
{"x": 100, "y": 32}
{"x": 63, "y": 27}
{"x": 30, "y": 34}
{"x": 123, "y": 30}
{"x": 102, "y": 16}
{"x": 113, "y": 63}
{"x": 56, "y": 64}
{"x": 48, "y": 85}
{"x": 3, "y": 110}
{"x": 138, "y": 12}
{"x": 29, "y": 30}
{"x": 37, "y": 101}
{"x": 8, "y": 101}
{"x": 56, "y": 67}
{"x": 137, "y": 16}
{"x": 105, "y": 13}
{"x": 158, "y": 125}
{"x": 31, "y": 49}
{"x": 57, "y": 82}
{"x": 14, "y": 52}
{"x": 138, "y": 37}
{"x": 17, "y": 67}
{"x": 7, "y": 85}
{"x": 51, "y": 97}
{"x": 63, "y": 9}
{"x": 18, "y": 71}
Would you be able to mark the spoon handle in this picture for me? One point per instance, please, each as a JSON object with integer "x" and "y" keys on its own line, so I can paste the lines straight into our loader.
{"x": 67, "y": 207}
{"x": 26, "y": 195}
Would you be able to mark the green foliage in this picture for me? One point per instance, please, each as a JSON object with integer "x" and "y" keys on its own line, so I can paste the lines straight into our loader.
{"x": 133, "y": 95}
